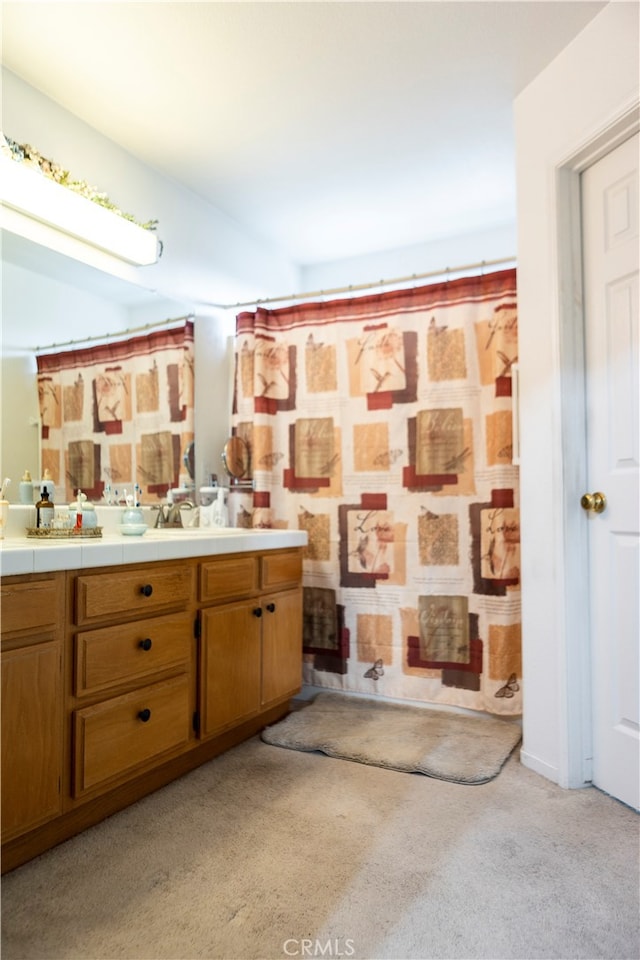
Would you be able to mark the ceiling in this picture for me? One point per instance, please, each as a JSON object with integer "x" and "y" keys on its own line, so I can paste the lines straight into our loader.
{"x": 330, "y": 129}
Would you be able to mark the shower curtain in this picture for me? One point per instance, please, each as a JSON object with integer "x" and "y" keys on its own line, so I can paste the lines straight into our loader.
{"x": 382, "y": 425}
{"x": 118, "y": 414}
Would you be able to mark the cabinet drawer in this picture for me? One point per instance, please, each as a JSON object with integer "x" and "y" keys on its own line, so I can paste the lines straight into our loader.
{"x": 280, "y": 570}
{"x": 228, "y": 579}
{"x": 112, "y": 738}
{"x": 132, "y": 592}
{"x": 131, "y": 651}
{"x": 33, "y": 605}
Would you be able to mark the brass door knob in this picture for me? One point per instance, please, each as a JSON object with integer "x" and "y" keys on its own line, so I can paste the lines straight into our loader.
{"x": 596, "y": 502}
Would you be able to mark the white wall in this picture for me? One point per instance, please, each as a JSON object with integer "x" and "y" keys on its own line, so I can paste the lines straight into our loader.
{"x": 207, "y": 257}
{"x": 585, "y": 90}
{"x": 494, "y": 243}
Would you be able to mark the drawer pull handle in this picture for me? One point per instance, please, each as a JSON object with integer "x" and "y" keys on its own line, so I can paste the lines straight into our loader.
{"x": 145, "y": 644}
{"x": 271, "y": 607}
{"x": 147, "y": 590}
{"x": 257, "y": 612}
{"x": 144, "y": 715}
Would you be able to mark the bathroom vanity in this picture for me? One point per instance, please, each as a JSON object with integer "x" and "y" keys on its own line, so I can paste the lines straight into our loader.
{"x": 127, "y": 662}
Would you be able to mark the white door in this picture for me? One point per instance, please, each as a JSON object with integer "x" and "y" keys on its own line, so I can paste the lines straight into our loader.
{"x": 610, "y": 265}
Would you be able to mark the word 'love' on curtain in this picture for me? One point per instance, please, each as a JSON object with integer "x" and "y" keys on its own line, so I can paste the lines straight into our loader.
{"x": 382, "y": 425}
{"x": 119, "y": 413}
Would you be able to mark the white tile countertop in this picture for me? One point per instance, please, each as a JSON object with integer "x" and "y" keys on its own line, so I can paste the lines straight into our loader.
{"x": 21, "y": 554}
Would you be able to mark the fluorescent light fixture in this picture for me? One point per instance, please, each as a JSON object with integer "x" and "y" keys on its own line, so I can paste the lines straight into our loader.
{"x": 27, "y": 193}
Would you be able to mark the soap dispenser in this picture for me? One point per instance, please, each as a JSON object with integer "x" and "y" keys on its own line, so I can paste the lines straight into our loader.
{"x": 48, "y": 484}
{"x": 220, "y": 512}
{"x": 26, "y": 489}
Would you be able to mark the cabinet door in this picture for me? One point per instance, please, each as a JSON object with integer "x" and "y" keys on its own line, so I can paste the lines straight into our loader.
{"x": 31, "y": 737}
{"x": 281, "y": 646}
{"x": 229, "y": 666}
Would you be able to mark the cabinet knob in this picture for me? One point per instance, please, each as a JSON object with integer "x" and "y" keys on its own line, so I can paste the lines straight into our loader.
{"x": 271, "y": 607}
{"x": 146, "y": 643}
{"x": 146, "y": 590}
{"x": 144, "y": 715}
{"x": 257, "y": 612}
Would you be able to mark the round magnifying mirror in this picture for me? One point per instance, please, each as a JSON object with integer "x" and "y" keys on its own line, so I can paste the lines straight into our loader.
{"x": 189, "y": 459}
{"x": 236, "y": 458}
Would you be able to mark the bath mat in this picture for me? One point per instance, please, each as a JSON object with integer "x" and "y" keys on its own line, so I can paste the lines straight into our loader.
{"x": 444, "y": 745}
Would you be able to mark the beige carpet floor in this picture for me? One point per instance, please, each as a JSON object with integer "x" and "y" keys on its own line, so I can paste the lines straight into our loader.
{"x": 271, "y": 853}
{"x": 443, "y": 744}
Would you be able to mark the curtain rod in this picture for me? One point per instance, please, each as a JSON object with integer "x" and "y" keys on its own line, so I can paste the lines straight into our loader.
{"x": 363, "y": 286}
{"x": 123, "y": 333}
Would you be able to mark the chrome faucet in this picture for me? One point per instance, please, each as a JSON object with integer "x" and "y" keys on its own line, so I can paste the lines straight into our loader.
{"x": 170, "y": 515}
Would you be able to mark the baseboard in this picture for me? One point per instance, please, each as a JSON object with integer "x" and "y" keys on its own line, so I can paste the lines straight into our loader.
{"x": 308, "y": 692}
{"x": 539, "y": 766}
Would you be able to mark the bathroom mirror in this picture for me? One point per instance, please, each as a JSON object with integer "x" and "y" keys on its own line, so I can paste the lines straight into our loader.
{"x": 236, "y": 458}
{"x": 49, "y": 297}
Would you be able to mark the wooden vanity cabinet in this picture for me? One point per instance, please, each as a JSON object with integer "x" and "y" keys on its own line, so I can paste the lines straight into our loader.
{"x": 118, "y": 679}
{"x": 32, "y": 701}
{"x": 251, "y": 639}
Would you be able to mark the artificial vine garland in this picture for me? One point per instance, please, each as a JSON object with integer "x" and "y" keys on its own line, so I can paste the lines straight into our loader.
{"x": 25, "y": 153}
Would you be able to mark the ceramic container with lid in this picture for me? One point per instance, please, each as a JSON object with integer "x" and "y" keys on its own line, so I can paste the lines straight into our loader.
{"x": 86, "y": 510}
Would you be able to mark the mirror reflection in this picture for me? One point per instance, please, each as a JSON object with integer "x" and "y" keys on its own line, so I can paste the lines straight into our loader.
{"x": 50, "y": 299}
{"x": 236, "y": 458}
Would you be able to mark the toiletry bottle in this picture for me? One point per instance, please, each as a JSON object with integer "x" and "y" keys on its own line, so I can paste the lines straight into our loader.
{"x": 26, "y": 489}
{"x": 79, "y": 512}
{"x": 44, "y": 510}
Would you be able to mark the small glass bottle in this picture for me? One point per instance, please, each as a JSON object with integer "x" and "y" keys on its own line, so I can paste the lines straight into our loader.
{"x": 44, "y": 511}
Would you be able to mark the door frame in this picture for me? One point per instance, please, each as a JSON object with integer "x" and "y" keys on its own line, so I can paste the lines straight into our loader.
{"x": 575, "y": 657}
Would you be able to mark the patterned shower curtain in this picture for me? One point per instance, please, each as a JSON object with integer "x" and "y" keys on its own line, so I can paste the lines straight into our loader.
{"x": 382, "y": 425}
{"x": 118, "y": 414}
